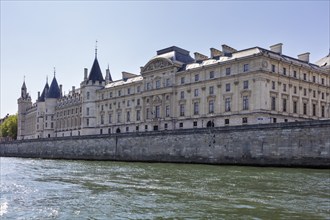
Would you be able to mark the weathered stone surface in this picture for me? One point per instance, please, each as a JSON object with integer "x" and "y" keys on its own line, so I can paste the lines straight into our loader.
{"x": 305, "y": 144}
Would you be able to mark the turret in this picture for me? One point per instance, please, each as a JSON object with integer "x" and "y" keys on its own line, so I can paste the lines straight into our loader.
{"x": 24, "y": 103}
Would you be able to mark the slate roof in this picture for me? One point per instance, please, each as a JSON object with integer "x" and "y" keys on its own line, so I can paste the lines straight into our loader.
{"x": 175, "y": 54}
{"x": 44, "y": 93}
{"x": 54, "y": 90}
{"x": 96, "y": 74}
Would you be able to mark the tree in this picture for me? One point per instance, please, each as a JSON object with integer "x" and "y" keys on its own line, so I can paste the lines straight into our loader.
{"x": 9, "y": 127}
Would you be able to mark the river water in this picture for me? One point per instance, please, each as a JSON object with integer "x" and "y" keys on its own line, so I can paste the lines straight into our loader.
{"x": 64, "y": 189}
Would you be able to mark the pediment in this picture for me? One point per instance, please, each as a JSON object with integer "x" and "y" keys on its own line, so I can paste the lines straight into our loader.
{"x": 156, "y": 64}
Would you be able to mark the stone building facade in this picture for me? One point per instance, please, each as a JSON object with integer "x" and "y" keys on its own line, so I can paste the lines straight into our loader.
{"x": 175, "y": 91}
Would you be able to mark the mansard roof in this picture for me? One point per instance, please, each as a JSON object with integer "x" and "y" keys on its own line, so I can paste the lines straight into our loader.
{"x": 44, "y": 93}
{"x": 96, "y": 74}
{"x": 54, "y": 90}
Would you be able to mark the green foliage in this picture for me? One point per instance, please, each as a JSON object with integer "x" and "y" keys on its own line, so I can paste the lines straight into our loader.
{"x": 9, "y": 127}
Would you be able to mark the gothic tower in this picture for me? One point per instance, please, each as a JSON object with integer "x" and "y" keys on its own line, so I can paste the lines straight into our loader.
{"x": 24, "y": 102}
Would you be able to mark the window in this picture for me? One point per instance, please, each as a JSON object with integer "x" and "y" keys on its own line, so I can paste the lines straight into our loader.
{"x": 227, "y": 121}
{"x": 305, "y": 108}
{"x": 244, "y": 120}
{"x": 211, "y": 74}
{"x": 322, "y": 95}
{"x": 137, "y": 128}
{"x": 314, "y": 93}
{"x": 228, "y": 87}
{"x": 305, "y": 76}
{"x": 127, "y": 129}
{"x": 314, "y": 79}
{"x": 51, "y": 125}
{"x": 110, "y": 94}
{"x": 128, "y": 91}
{"x": 284, "y": 105}
{"x": 314, "y": 110}
{"x": 284, "y": 71}
{"x": 128, "y": 116}
{"x": 181, "y": 125}
{"x": 295, "y": 89}
{"x": 87, "y": 121}
{"x": 322, "y": 110}
{"x": 146, "y": 127}
{"x": 167, "y": 97}
{"x": 196, "y": 92}
{"x": 295, "y": 74}
{"x": 182, "y": 94}
{"x": 167, "y": 111}
{"x": 110, "y": 118}
{"x": 196, "y": 77}
{"x": 165, "y": 126}
{"x": 128, "y": 103}
{"x": 87, "y": 95}
{"x": 227, "y": 105}
{"x": 227, "y": 71}
{"x": 138, "y": 89}
{"x": 118, "y": 105}
{"x": 157, "y": 84}
{"x": 118, "y": 117}
{"x": 138, "y": 102}
{"x": 182, "y": 110}
{"x": 246, "y": 67}
{"x": 211, "y": 90}
{"x": 284, "y": 87}
{"x": 119, "y": 93}
{"x": 148, "y": 113}
{"x": 273, "y": 103}
{"x": 245, "y": 84}
{"x": 274, "y": 120}
{"x": 295, "y": 107}
{"x": 148, "y": 86}
{"x": 196, "y": 108}
{"x": 168, "y": 82}
{"x": 273, "y": 68}
{"x": 157, "y": 111}
{"x": 102, "y": 119}
{"x": 87, "y": 111}
{"x": 273, "y": 85}
{"x": 138, "y": 115}
{"x": 195, "y": 124}
{"x": 245, "y": 103}
{"x": 305, "y": 92}
{"x": 322, "y": 81}
{"x": 182, "y": 80}
{"x": 211, "y": 106}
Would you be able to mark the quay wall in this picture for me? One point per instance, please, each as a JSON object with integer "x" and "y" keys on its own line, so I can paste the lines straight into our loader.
{"x": 297, "y": 144}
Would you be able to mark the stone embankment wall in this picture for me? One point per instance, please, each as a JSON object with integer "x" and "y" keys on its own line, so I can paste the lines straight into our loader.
{"x": 304, "y": 144}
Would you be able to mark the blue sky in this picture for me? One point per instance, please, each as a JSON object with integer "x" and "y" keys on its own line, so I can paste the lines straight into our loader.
{"x": 37, "y": 36}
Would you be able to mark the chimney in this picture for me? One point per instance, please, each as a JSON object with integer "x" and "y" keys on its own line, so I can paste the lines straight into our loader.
{"x": 277, "y": 48}
{"x": 61, "y": 90}
{"x": 73, "y": 90}
{"x": 215, "y": 52}
{"x": 38, "y": 94}
{"x": 227, "y": 50}
{"x": 85, "y": 73}
{"x": 304, "y": 57}
{"x": 200, "y": 57}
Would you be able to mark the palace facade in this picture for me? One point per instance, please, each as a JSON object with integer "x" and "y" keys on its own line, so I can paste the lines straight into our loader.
{"x": 177, "y": 91}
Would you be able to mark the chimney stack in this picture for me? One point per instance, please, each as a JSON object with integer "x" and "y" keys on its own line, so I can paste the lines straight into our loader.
{"x": 38, "y": 94}
{"x": 227, "y": 50}
{"x": 200, "y": 57}
{"x": 85, "y": 73}
{"x": 73, "y": 90}
{"x": 215, "y": 53}
{"x": 304, "y": 57}
{"x": 61, "y": 90}
{"x": 277, "y": 48}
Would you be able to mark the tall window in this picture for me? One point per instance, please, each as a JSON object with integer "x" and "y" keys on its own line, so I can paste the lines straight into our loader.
{"x": 314, "y": 110}
{"x": 245, "y": 84}
{"x": 110, "y": 118}
{"x": 305, "y": 108}
{"x": 182, "y": 94}
{"x": 182, "y": 110}
{"x": 295, "y": 89}
{"x": 322, "y": 110}
{"x": 87, "y": 122}
{"x": 196, "y": 92}
{"x": 118, "y": 117}
{"x": 273, "y": 85}
{"x": 245, "y": 103}
{"x": 227, "y": 105}
{"x": 227, "y": 71}
{"x": 138, "y": 102}
{"x": 102, "y": 119}
{"x": 87, "y": 111}
{"x": 273, "y": 68}
{"x": 128, "y": 116}
{"x": 138, "y": 89}
{"x": 128, "y": 103}
{"x": 128, "y": 91}
{"x": 295, "y": 74}
{"x": 284, "y": 87}
{"x": 211, "y": 90}
{"x": 196, "y": 77}
{"x": 295, "y": 107}
{"x": 138, "y": 115}
{"x": 314, "y": 79}
{"x": 314, "y": 93}
{"x": 148, "y": 113}
{"x": 246, "y": 67}
{"x": 157, "y": 84}
{"x": 211, "y": 106}
{"x": 284, "y": 71}
{"x": 168, "y": 82}
{"x": 273, "y": 103}
{"x": 284, "y": 105}
{"x": 167, "y": 111}
{"x": 305, "y": 76}
{"x": 196, "y": 108}
{"x": 211, "y": 74}
{"x": 87, "y": 95}
{"x": 157, "y": 111}
{"x": 119, "y": 93}
{"x": 148, "y": 86}
{"x": 305, "y": 92}
{"x": 182, "y": 80}
{"x": 227, "y": 87}
{"x": 322, "y": 81}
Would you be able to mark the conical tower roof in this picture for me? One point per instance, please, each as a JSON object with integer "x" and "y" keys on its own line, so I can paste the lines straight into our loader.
{"x": 96, "y": 74}
{"x": 54, "y": 90}
{"x": 44, "y": 93}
